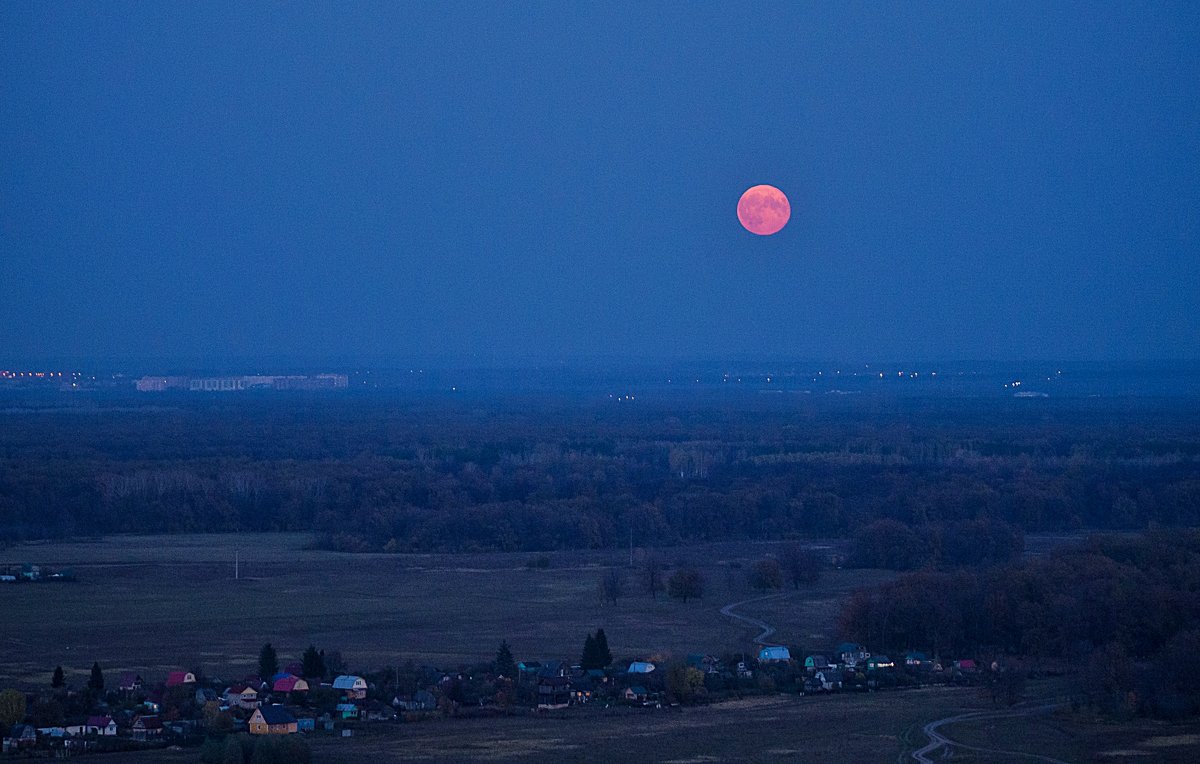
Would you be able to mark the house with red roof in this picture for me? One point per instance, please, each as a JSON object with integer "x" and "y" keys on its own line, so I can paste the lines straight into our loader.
{"x": 101, "y": 725}
{"x": 146, "y": 728}
{"x": 180, "y": 678}
{"x": 289, "y": 683}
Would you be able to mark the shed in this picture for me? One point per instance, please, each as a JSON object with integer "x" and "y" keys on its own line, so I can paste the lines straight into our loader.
{"x": 641, "y": 667}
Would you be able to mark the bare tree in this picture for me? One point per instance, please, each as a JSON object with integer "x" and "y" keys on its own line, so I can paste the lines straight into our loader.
{"x": 652, "y": 569}
{"x": 612, "y": 586}
{"x": 685, "y": 584}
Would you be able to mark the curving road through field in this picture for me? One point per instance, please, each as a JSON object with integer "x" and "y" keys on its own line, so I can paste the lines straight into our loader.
{"x": 765, "y": 629}
{"x": 938, "y": 740}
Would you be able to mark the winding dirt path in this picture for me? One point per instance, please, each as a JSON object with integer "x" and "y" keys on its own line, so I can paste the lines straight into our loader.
{"x": 938, "y": 740}
{"x": 765, "y": 629}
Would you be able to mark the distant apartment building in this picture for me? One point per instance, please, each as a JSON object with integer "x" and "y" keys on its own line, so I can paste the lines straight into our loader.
{"x": 159, "y": 384}
{"x": 151, "y": 384}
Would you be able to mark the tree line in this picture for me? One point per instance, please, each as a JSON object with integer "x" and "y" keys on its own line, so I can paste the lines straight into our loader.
{"x": 445, "y": 478}
{"x": 1124, "y": 609}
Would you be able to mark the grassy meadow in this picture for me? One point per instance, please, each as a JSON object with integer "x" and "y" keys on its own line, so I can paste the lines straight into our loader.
{"x": 160, "y": 602}
{"x": 875, "y": 727}
{"x": 156, "y": 603}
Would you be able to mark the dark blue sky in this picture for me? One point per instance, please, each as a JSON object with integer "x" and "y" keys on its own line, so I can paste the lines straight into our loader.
{"x": 504, "y": 180}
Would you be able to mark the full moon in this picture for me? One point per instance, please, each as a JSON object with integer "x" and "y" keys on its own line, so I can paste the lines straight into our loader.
{"x": 763, "y": 210}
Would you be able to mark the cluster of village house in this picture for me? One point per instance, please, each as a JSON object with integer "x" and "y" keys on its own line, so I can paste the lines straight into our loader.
{"x": 34, "y": 573}
{"x": 247, "y": 702}
{"x": 279, "y": 705}
{"x": 849, "y": 659}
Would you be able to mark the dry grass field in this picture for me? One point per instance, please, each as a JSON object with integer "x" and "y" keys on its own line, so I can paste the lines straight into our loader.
{"x": 156, "y": 603}
{"x": 1076, "y": 737}
{"x": 160, "y": 602}
{"x": 876, "y": 727}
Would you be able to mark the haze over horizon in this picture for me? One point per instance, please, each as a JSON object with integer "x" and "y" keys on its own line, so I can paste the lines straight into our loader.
{"x": 507, "y": 182}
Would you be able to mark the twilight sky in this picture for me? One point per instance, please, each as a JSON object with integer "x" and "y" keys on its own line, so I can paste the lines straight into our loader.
{"x": 504, "y": 180}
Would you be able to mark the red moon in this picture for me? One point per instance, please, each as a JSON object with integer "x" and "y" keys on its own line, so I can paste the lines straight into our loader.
{"x": 763, "y": 210}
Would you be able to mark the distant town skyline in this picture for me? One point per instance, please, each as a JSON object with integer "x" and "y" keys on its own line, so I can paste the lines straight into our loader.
{"x": 505, "y": 184}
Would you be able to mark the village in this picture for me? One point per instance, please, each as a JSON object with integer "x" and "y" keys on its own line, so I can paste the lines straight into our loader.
{"x": 187, "y": 709}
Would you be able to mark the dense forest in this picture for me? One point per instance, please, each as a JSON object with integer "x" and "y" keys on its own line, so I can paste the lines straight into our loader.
{"x": 1123, "y": 609}
{"x": 539, "y": 473}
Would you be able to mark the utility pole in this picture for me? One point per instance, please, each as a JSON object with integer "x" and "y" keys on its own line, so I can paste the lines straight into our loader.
{"x": 237, "y": 559}
{"x": 631, "y": 544}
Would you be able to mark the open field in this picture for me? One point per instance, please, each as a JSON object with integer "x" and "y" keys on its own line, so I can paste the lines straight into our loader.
{"x": 161, "y": 602}
{"x": 876, "y": 727}
{"x": 156, "y": 603}
{"x": 1076, "y": 737}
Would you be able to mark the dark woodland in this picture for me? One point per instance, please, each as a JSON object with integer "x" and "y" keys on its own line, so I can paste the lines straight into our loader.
{"x": 952, "y": 482}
